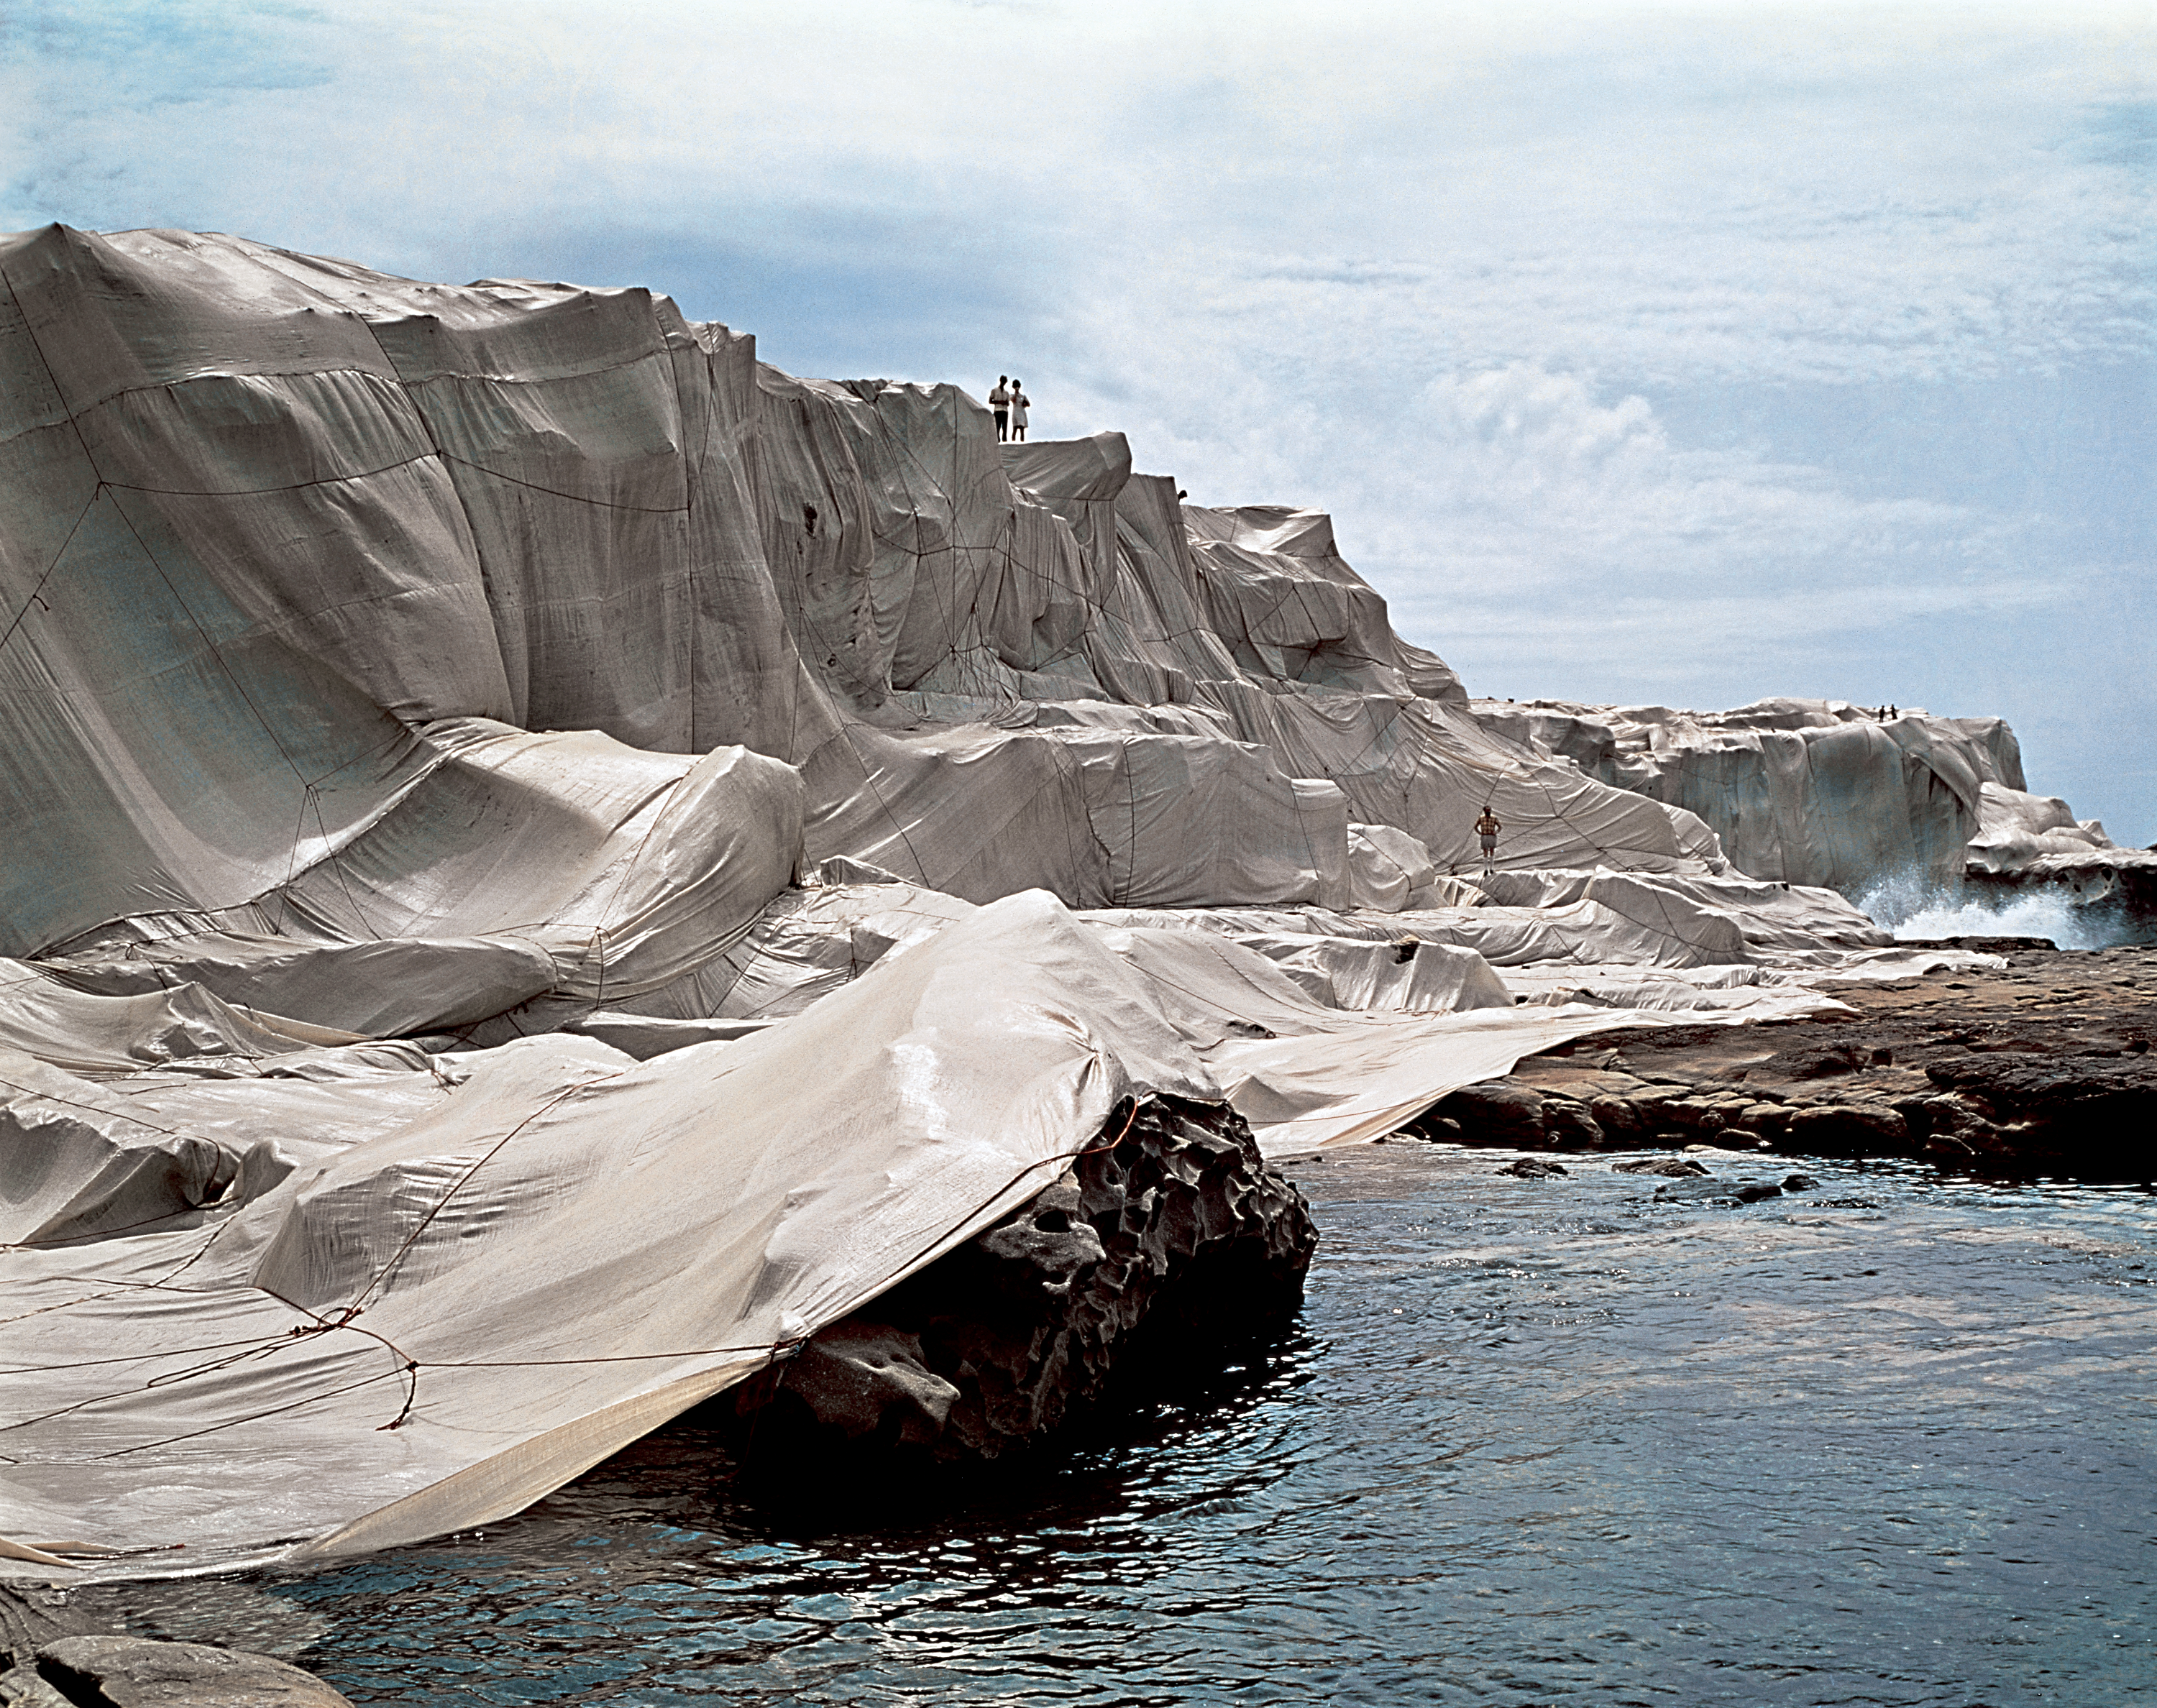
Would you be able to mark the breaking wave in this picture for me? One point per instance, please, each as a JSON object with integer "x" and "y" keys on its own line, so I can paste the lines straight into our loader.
{"x": 1916, "y": 905}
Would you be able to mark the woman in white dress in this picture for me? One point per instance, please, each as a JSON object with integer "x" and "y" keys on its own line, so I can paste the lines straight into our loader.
{"x": 1018, "y": 402}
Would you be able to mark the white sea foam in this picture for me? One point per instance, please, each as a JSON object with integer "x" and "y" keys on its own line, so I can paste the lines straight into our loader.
{"x": 1911, "y": 906}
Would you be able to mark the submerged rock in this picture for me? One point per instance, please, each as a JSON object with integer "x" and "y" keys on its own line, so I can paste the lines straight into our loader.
{"x": 1171, "y": 1249}
{"x": 1715, "y": 1191}
{"x": 143, "y": 1672}
{"x": 1673, "y": 1167}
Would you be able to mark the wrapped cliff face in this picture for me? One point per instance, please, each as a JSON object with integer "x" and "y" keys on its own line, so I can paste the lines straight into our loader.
{"x": 1803, "y": 791}
{"x": 1824, "y": 793}
{"x": 548, "y": 864}
{"x": 2034, "y": 843}
{"x": 273, "y": 521}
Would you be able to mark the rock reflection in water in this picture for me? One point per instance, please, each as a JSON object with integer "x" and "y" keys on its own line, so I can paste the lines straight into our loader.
{"x": 1538, "y": 1441}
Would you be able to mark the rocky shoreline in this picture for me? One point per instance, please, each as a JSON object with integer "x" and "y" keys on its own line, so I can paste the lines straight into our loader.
{"x": 2042, "y": 1068}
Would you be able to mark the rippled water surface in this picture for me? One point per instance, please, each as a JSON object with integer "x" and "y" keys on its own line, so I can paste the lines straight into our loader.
{"x": 1537, "y": 1442}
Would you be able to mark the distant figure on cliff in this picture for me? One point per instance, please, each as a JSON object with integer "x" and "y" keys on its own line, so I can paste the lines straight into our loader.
{"x": 1019, "y": 401}
{"x": 1487, "y": 827}
{"x": 999, "y": 405}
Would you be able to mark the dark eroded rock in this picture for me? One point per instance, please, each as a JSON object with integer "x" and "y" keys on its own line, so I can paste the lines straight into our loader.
{"x": 1175, "y": 1249}
{"x": 1848, "y": 1130}
{"x": 1533, "y": 1168}
{"x": 1496, "y": 1112}
{"x": 2044, "y": 1065}
{"x": 1619, "y": 1118}
{"x": 1715, "y": 1191}
{"x": 1675, "y": 1167}
{"x": 860, "y": 1376}
{"x": 1981, "y": 945}
{"x": 143, "y": 1672}
{"x": 1571, "y": 1126}
{"x": 2030, "y": 1085}
{"x": 1812, "y": 1061}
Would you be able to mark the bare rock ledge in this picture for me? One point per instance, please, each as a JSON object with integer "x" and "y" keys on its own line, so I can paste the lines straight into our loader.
{"x": 2042, "y": 1067}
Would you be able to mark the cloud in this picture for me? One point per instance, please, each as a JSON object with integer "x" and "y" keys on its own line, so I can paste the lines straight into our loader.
{"x": 1759, "y": 194}
{"x": 1602, "y": 482}
{"x": 1512, "y": 504}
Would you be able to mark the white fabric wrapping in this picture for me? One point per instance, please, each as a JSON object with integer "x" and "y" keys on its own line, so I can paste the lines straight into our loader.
{"x": 2016, "y": 827}
{"x": 1814, "y": 792}
{"x": 525, "y": 1265}
{"x": 294, "y": 512}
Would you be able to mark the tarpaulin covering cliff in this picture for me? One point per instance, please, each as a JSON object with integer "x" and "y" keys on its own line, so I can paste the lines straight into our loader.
{"x": 545, "y": 860}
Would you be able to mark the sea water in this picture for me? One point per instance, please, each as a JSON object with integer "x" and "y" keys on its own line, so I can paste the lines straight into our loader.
{"x": 1889, "y": 1441}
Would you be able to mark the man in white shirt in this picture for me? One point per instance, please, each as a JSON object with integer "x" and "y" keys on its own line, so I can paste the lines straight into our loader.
{"x": 999, "y": 405}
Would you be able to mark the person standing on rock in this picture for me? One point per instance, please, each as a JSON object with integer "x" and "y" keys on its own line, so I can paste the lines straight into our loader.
{"x": 999, "y": 405}
{"x": 1487, "y": 827}
{"x": 1018, "y": 403}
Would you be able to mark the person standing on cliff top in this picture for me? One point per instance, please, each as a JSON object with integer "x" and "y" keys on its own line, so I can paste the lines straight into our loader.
{"x": 999, "y": 405}
{"x": 1018, "y": 403}
{"x": 1487, "y": 827}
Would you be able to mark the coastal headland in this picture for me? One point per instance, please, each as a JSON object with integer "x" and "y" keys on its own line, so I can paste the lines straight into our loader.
{"x": 573, "y": 876}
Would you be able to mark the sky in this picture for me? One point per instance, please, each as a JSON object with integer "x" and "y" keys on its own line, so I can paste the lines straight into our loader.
{"x": 1680, "y": 354}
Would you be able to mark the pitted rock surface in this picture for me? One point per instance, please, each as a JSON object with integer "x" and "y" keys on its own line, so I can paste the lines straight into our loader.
{"x": 1171, "y": 1248}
